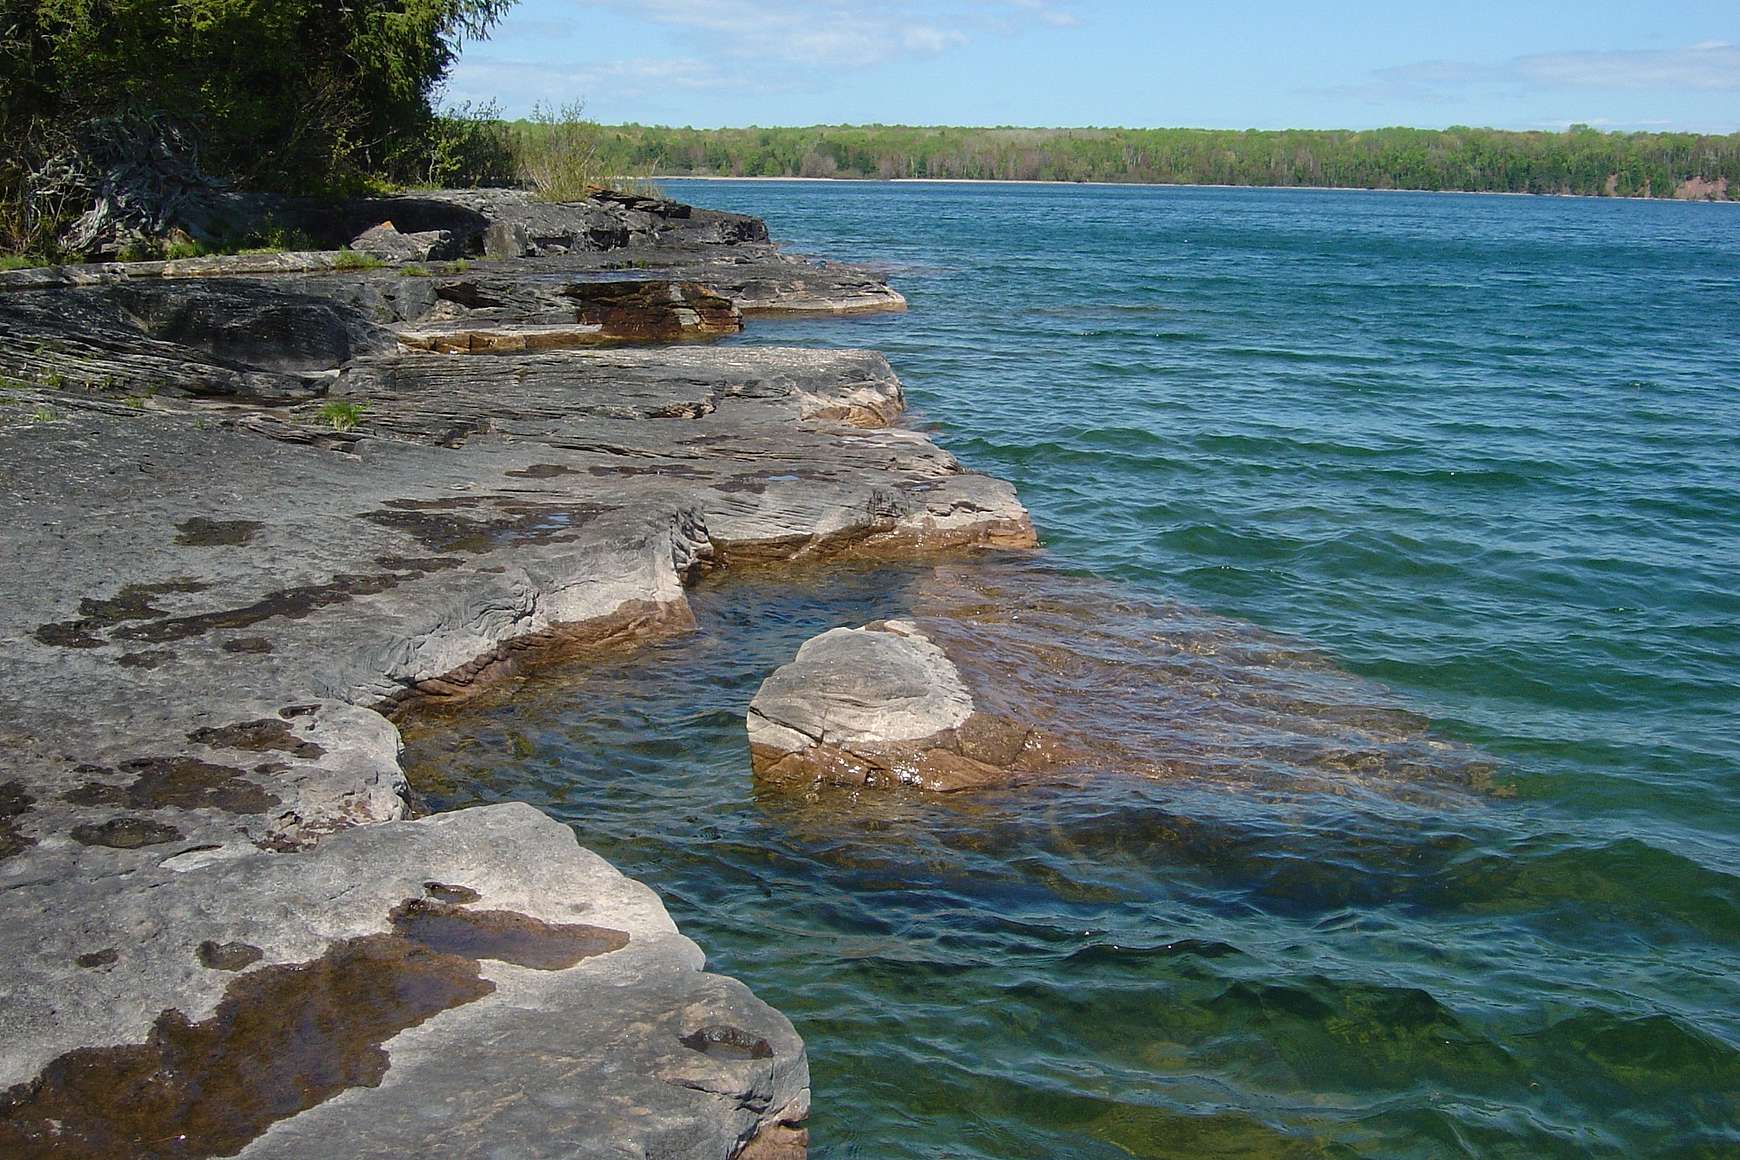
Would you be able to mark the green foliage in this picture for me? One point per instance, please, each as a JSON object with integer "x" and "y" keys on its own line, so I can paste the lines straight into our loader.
{"x": 1578, "y": 161}
{"x": 558, "y": 153}
{"x": 340, "y": 415}
{"x": 351, "y": 260}
{"x": 294, "y": 96}
{"x": 463, "y": 146}
{"x": 15, "y": 262}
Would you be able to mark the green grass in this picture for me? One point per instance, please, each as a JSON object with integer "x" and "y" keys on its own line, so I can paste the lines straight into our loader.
{"x": 351, "y": 260}
{"x": 341, "y": 416}
{"x": 17, "y": 262}
{"x": 413, "y": 271}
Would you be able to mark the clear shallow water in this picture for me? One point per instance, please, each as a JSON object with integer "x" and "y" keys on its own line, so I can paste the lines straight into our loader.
{"x": 1412, "y": 527}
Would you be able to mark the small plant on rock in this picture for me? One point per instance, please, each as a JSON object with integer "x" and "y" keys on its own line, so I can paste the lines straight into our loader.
{"x": 341, "y": 415}
{"x": 352, "y": 260}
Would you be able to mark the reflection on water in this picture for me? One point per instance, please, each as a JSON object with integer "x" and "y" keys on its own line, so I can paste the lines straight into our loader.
{"x": 1277, "y": 917}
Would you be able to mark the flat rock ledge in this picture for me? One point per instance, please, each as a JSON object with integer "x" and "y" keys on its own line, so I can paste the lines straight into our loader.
{"x": 534, "y": 1002}
{"x": 881, "y": 707}
{"x": 244, "y": 527}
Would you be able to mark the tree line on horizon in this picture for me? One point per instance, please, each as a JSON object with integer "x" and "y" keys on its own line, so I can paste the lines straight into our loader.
{"x": 1580, "y": 160}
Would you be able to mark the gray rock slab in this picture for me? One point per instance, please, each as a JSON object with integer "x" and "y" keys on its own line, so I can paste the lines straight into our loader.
{"x": 590, "y": 1060}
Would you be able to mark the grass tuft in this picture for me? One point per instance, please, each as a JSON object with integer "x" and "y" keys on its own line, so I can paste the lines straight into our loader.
{"x": 340, "y": 415}
{"x": 352, "y": 260}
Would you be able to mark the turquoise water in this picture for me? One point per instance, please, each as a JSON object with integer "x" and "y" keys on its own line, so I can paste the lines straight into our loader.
{"x": 1395, "y": 535}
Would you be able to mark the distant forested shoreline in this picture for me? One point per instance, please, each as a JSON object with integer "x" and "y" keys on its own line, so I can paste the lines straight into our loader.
{"x": 1579, "y": 160}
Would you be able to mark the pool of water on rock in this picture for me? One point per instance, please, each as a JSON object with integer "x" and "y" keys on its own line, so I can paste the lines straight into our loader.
{"x": 1279, "y": 916}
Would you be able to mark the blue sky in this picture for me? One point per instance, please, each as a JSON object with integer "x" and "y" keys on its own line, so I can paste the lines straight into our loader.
{"x": 1233, "y": 64}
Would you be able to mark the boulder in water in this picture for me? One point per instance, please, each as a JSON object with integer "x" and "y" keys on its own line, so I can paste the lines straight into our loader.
{"x": 882, "y": 706}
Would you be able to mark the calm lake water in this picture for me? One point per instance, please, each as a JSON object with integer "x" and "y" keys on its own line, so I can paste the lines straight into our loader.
{"x": 1395, "y": 538}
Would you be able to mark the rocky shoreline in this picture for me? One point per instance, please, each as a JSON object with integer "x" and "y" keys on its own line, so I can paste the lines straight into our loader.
{"x": 259, "y": 506}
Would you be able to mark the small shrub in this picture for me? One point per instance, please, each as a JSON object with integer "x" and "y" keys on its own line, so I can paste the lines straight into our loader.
{"x": 136, "y": 402}
{"x": 469, "y": 145}
{"x": 44, "y": 414}
{"x": 413, "y": 271}
{"x": 15, "y": 262}
{"x": 270, "y": 238}
{"x": 558, "y": 153}
{"x": 340, "y": 415}
{"x": 458, "y": 267}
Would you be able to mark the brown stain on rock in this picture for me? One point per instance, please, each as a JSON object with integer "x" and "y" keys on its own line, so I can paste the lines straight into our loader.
{"x": 284, "y": 1039}
{"x": 200, "y": 532}
{"x": 125, "y": 833}
{"x": 263, "y": 734}
{"x": 464, "y": 524}
{"x": 230, "y": 956}
{"x": 177, "y": 781}
{"x": 723, "y": 1041}
{"x": 14, "y": 803}
{"x": 291, "y": 603}
{"x": 132, "y": 602}
{"x": 506, "y": 935}
{"x": 542, "y": 471}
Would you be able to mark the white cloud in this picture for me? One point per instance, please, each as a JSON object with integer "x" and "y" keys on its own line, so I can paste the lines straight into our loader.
{"x": 833, "y": 34}
{"x": 529, "y": 81}
{"x": 1708, "y": 67}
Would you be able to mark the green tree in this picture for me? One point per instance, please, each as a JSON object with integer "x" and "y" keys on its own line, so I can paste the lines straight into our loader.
{"x": 292, "y": 95}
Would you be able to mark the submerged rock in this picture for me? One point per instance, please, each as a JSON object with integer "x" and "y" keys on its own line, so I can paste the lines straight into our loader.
{"x": 878, "y": 707}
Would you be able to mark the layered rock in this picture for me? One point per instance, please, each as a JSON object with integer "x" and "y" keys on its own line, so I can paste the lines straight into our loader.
{"x": 498, "y": 232}
{"x": 243, "y": 524}
{"x": 880, "y": 707}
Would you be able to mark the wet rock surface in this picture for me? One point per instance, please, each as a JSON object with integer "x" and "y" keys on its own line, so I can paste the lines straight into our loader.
{"x": 224, "y": 998}
{"x": 881, "y": 707}
{"x": 246, "y": 522}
